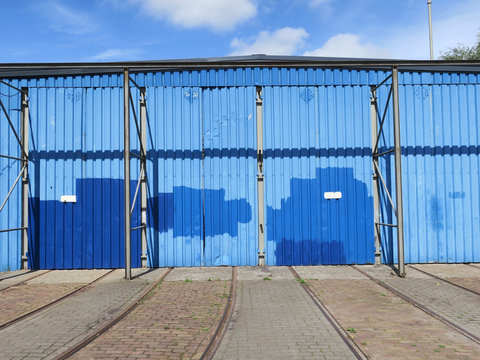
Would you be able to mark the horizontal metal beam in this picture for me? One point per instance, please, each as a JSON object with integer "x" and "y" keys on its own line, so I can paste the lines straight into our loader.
{"x": 385, "y": 224}
{"x": 138, "y": 156}
{"x": 15, "y": 229}
{"x": 10, "y": 157}
{"x": 138, "y": 227}
{"x": 208, "y": 63}
{"x": 384, "y": 153}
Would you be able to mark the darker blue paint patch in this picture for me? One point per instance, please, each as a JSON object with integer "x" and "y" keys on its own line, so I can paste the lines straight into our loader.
{"x": 435, "y": 214}
{"x": 182, "y": 211}
{"x": 87, "y": 234}
{"x": 456, "y": 194}
{"x": 310, "y": 230}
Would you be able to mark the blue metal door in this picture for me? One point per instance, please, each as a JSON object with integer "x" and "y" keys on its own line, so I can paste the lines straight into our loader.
{"x": 316, "y": 141}
{"x": 229, "y": 176}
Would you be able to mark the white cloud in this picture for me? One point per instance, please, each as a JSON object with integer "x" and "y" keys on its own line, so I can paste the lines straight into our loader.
{"x": 284, "y": 41}
{"x": 117, "y": 54}
{"x": 64, "y": 19}
{"x": 213, "y": 14}
{"x": 349, "y": 45}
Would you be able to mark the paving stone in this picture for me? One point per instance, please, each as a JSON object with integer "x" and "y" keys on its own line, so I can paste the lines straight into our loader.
{"x": 47, "y": 333}
{"x": 457, "y": 305}
{"x": 386, "y": 326}
{"x": 261, "y": 272}
{"x": 68, "y": 276}
{"x": 177, "y": 321}
{"x": 275, "y": 319}
{"x": 200, "y": 274}
{"x": 15, "y": 277}
{"x": 327, "y": 272}
{"x": 448, "y": 270}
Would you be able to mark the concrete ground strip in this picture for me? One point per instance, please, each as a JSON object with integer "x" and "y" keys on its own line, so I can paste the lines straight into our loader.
{"x": 275, "y": 319}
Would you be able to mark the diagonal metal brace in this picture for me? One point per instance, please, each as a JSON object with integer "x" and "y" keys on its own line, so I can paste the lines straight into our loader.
{"x": 13, "y": 129}
{"x": 385, "y": 187}
{"x": 13, "y": 187}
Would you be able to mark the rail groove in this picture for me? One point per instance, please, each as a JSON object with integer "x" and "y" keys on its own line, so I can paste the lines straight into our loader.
{"x": 331, "y": 319}
{"x": 418, "y": 305}
{"x": 445, "y": 280}
{"x": 23, "y": 281}
{"x": 106, "y": 326}
{"x": 222, "y": 326}
{"x": 53, "y": 302}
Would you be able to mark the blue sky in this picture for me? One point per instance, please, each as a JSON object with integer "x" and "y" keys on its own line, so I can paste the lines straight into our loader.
{"x": 116, "y": 30}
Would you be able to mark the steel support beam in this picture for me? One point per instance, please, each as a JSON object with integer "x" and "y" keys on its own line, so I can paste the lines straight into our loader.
{"x": 126, "y": 168}
{"x": 398, "y": 171}
{"x": 376, "y": 187}
{"x": 260, "y": 178}
{"x": 143, "y": 174}
{"x": 24, "y": 134}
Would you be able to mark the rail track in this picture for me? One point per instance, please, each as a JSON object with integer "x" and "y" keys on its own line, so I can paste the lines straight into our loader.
{"x": 114, "y": 320}
{"x": 23, "y": 281}
{"x": 420, "y": 306}
{"x": 212, "y": 346}
{"x": 53, "y": 302}
{"x": 446, "y": 281}
{"x": 222, "y": 326}
{"x": 338, "y": 328}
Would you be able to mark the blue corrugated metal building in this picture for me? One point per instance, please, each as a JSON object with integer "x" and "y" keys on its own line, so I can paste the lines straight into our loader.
{"x": 203, "y": 197}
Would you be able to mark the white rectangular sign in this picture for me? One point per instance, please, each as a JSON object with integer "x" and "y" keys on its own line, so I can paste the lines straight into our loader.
{"x": 68, "y": 198}
{"x": 330, "y": 195}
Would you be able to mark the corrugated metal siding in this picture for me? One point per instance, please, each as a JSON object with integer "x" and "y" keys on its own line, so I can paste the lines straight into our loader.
{"x": 440, "y": 163}
{"x": 174, "y": 177}
{"x": 317, "y": 139}
{"x": 252, "y": 77}
{"x": 230, "y": 165}
{"x": 10, "y": 217}
{"x": 75, "y": 150}
{"x": 202, "y": 210}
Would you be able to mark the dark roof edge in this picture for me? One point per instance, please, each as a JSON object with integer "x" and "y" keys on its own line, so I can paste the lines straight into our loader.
{"x": 89, "y": 68}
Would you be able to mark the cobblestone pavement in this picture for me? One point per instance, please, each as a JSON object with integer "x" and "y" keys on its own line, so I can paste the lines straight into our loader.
{"x": 460, "y": 274}
{"x": 53, "y": 330}
{"x": 176, "y": 322}
{"x": 383, "y": 325}
{"x": 275, "y": 319}
{"x": 457, "y": 305}
{"x": 13, "y": 278}
{"x": 39, "y": 291}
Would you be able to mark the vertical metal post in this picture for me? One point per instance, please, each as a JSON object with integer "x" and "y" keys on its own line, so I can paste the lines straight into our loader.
{"x": 126, "y": 167}
{"x": 260, "y": 183}
{"x": 24, "y": 127}
{"x": 376, "y": 188}
{"x": 429, "y": 3}
{"x": 398, "y": 171}
{"x": 143, "y": 174}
